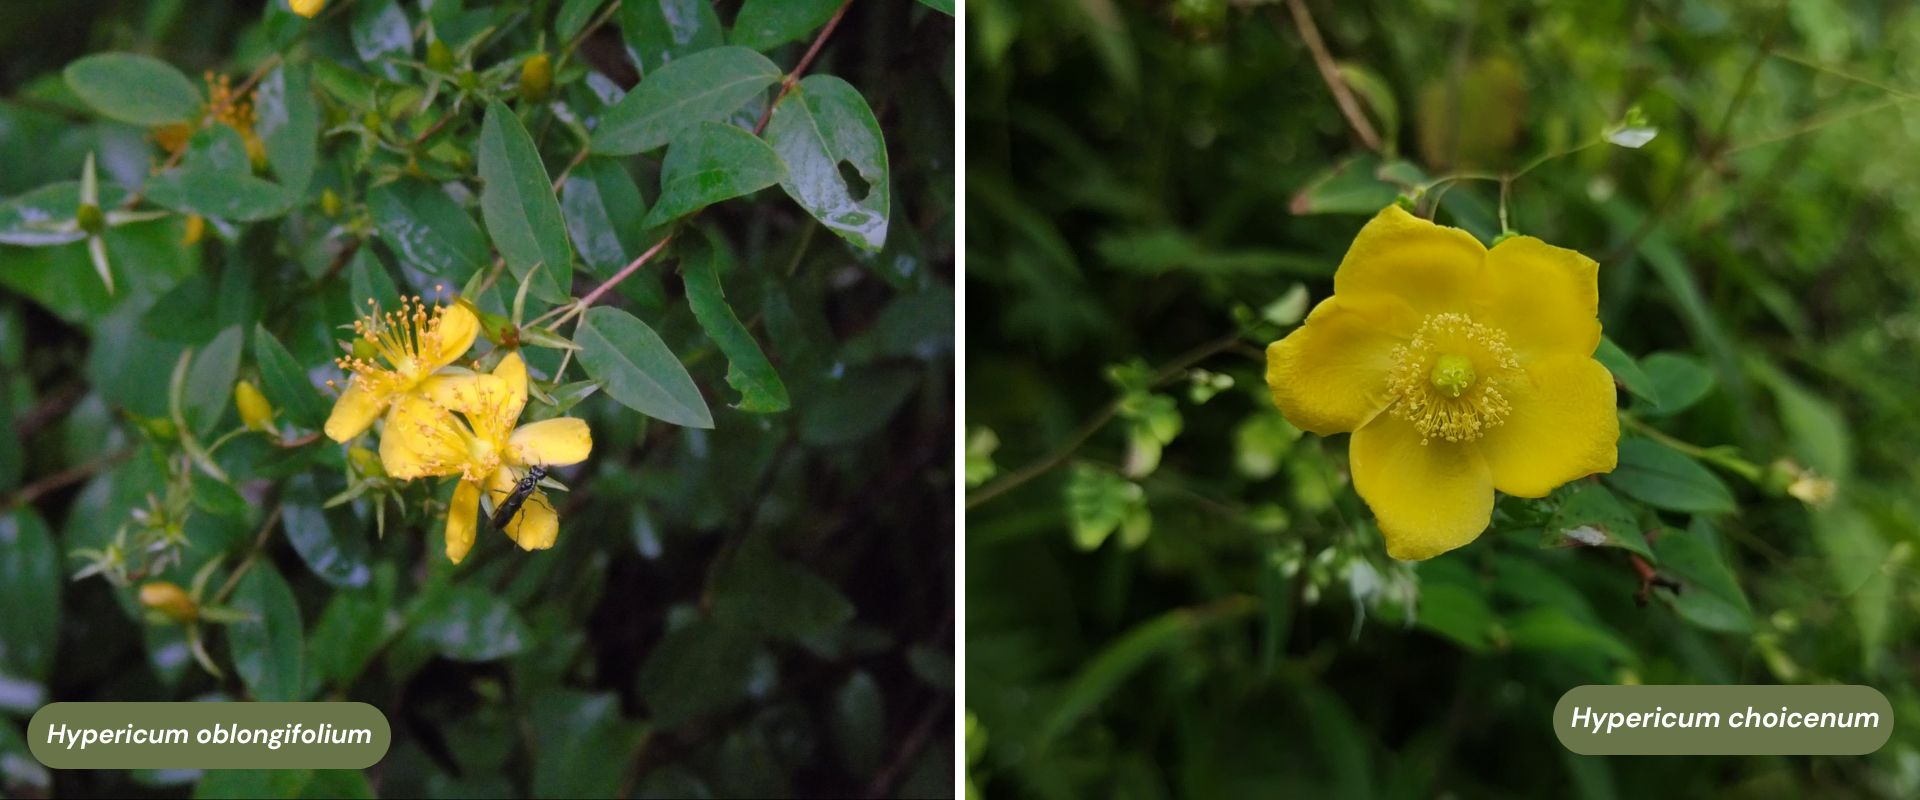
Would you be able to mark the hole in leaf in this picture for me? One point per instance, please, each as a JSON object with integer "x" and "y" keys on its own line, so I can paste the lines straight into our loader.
{"x": 857, "y": 187}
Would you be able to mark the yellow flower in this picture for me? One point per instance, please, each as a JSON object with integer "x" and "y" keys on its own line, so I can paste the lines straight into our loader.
{"x": 306, "y": 8}
{"x": 487, "y": 451}
{"x": 1459, "y": 370}
{"x": 397, "y": 354}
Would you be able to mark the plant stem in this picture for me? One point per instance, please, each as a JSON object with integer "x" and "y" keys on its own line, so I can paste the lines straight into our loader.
{"x": 1330, "y": 73}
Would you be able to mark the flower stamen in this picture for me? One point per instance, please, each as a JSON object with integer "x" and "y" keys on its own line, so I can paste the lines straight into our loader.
{"x": 1449, "y": 379}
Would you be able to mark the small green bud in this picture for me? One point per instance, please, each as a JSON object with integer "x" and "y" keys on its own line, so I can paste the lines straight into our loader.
{"x": 90, "y": 219}
{"x": 536, "y": 78}
{"x": 255, "y": 412}
{"x": 439, "y": 56}
{"x": 330, "y": 203}
{"x": 366, "y": 462}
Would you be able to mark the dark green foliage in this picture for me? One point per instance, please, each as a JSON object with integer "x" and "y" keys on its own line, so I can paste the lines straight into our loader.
{"x": 750, "y": 592}
{"x": 1174, "y": 593}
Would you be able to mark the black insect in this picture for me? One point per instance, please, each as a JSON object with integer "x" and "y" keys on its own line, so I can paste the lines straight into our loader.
{"x": 503, "y": 513}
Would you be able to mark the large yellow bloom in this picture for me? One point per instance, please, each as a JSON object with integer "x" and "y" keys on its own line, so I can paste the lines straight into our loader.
{"x": 487, "y": 451}
{"x": 398, "y": 354}
{"x": 1459, "y": 370}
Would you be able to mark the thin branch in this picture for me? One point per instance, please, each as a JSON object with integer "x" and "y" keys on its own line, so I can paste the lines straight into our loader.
{"x": 33, "y": 491}
{"x": 787, "y": 84}
{"x": 1330, "y": 72}
{"x": 1015, "y": 479}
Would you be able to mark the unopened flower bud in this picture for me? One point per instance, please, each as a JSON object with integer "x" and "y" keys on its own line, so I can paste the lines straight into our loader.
{"x": 439, "y": 56}
{"x": 195, "y": 231}
{"x": 255, "y": 412}
{"x": 90, "y": 219}
{"x": 536, "y": 78}
{"x": 168, "y": 598}
{"x": 330, "y": 203}
{"x": 307, "y": 8}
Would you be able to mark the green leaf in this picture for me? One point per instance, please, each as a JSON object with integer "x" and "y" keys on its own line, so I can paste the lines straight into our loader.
{"x": 1100, "y": 502}
{"x": 760, "y": 592}
{"x": 711, "y": 163}
{"x": 299, "y": 784}
{"x": 266, "y": 648}
{"x": 1709, "y": 597}
{"x": 136, "y": 89}
{"x": 942, "y": 6}
{"x": 1666, "y": 478}
{"x": 467, "y": 623}
{"x": 347, "y": 636}
{"x": 747, "y": 369}
{"x": 428, "y": 229}
{"x": 30, "y": 583}
{"x": 381, "y": 32}
{"x": 329, "y": 541}
{"x": 1679, "y": 381}
{"x": 367, "y": 279}
{"x": 638, "y": 370}
{"x": 574, "y": 16}
{"x": 1626, "y": 371}
{"x": 215, "y": 179}
{"x": 859, "y": 724}
{"x": 585, "y": 744}
{"x": 1590, "y": 515}
{"x": 518, "y": 205}
{"x": 1354, "y": 186}
{"x": 209, "y": 390}
{"x": 1103, "y": 674}
{"x": 288, "y": 121}
{"x": 707, "y": 86}
{"x": 285, "y": 384}
{"x": 698, "y": 668}
{"x": 822, "y": 130}
{"x": 766, "y": 24}
{"x": 604, "y": 211}
{"x": 659, "y": 31}
{"x": 854, "y": 406}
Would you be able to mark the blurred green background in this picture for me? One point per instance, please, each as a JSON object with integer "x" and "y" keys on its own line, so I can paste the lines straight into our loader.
{"x": 761, "y": 608}
{"x": 1172, "y": 593}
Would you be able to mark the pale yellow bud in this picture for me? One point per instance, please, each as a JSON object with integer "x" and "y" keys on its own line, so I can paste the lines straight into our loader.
{"x": 255, "y": 412}
{"x": 307, "y": 8}
{"x": 168, "y": 598}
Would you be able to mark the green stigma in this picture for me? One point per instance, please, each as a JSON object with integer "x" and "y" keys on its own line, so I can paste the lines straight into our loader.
{"x": 1452, "y": 374}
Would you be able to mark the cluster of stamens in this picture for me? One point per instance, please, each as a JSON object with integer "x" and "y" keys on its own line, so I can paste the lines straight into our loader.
{"x": 225, "y": 107}
{"x": 402, "y": 342}
{"x": 1447, "y": 380}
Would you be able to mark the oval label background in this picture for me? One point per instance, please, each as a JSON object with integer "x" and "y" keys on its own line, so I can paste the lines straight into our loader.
{"x": 1723, "y": 720}
{"x": 211, "y": 735}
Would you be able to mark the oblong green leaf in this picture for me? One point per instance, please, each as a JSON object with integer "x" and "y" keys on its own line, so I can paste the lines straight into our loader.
{"x": 142, "y": 90}
{"x": 327, "y": 540}
{"x": 703, "y": 87}
{"x": 215, "y": 179}
{"x": 469, "y": 624}
{"x": 748, "y": 371}
{"x": 821, "y": 125}
{"x": 30, "y": 592}
{"x": 266, "y": 648}
{"x": 766, "y": 24}
{"x": 659, "y": 31}
{"x": 519, "y": 208}
{"x": 209, "y": 390}
{"x": 711, "y": 163}
{"x": 1666, "y": 478}
{"x": 288, "y": 121}
{"x": 428, "y": 229}
{"x": 1627, "y": 371}
{"x": 638, "y": 370}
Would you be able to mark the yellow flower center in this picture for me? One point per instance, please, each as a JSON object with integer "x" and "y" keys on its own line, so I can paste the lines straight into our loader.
{"x": 398, "y": 348}
{"x": 1447, "y": 380}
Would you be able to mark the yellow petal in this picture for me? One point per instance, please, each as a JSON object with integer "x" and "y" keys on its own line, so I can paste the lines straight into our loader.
{"x": 422, "y": 439}
{"x": 1546, "y": 298}
{"x": 537, "y": 525}
{"x": 555, "y": 442}
{"x": 1564, "y": 425}
{"x": 1435, "y": 269}
{"x": 460, "y": 389}
{"x": 1330, "y": 375}
{"x": 513, "y": 370}
{"x": 455, "y": 334}
{"x": 355, "y": 411}
{"x": 462, "y": 519}
{"x": 1428, "y": 498}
